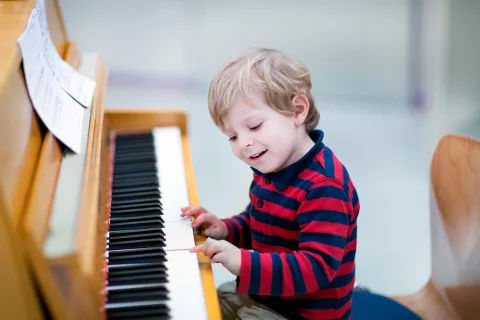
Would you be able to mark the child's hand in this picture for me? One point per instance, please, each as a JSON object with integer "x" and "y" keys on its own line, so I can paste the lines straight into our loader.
{"x": 223, "y": 252}
{"x": 214, "y": 227}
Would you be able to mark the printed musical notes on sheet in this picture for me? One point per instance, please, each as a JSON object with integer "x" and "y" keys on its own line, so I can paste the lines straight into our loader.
{"x": 80, "y": 87}
{"x": 61, "y": 114}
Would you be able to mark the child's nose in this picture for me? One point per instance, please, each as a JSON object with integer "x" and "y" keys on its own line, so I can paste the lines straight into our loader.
{"x": 246, "y": 142}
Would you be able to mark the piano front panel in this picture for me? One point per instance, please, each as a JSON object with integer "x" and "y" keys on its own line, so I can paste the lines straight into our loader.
{"x": 21, "y": 136}
{"x": 17, "y": 295}
{"x": 35, "y": 222}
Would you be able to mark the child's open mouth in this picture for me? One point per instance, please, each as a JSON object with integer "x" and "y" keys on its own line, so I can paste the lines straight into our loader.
{"x": 258, "y": 155}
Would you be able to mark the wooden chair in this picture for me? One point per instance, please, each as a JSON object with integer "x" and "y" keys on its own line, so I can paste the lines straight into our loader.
{"x": 453, "y": 291}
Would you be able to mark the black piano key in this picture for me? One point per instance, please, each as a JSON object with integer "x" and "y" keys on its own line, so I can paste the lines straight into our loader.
{"x": 152, "y": 193}
{"x": 137, "y": 173}
{"x": 130, "y": 226}
{"x": 124, "y": 214}
{"x": 149, "y": 180}
{"x": 128, "y": 176}
{"x": 153, "y": 264}
{"x": 152, "y": 242}
{"x": 135, "y": 169}
{"x": 154, "y": 277}
{"x": 129, "y": 257}
{"x": 132, "y": 201}
{"x": 135, "y": 157}
{"x": 135, "y": 189}
{"x": 138, "y": 195}
{"x": 134, "y": 293}
{"x": 138, "y": 205}
{"x": 123, "y": 200}
{"x": 155, "y": 209}
{"x": 138, "y": 236}
{"x": 146, "y": 154}
{"x": 137, "y": 217}
{"x": 132, "y": 149}
{"x": 147, "y": 257}
{"x": 139, "y": 277}
{"x": 115, "y": 238}
{"x": 135, "y": 268}
{"x": 113, "y": 233}
{"x": 136, "y": 224}
{"x": 142, "y": 310}
{"x": 122, "y": 252}
{"x": 127, "y": 148}
{"x": 143, "y": 149}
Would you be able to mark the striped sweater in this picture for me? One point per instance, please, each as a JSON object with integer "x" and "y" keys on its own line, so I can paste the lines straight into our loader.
{"x": 298, "y": 237}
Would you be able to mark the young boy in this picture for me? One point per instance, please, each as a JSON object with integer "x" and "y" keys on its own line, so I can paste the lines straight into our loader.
{"x": 293, "y": 247}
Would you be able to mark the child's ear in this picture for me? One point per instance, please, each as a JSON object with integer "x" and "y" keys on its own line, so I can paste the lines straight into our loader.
{"x": 301, "y": 104}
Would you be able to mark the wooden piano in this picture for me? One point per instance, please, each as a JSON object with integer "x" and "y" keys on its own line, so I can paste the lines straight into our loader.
{"x": 69, "y": 222}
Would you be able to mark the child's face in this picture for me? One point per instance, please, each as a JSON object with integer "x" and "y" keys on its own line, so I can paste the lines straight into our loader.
{"x": 262, "y": 137}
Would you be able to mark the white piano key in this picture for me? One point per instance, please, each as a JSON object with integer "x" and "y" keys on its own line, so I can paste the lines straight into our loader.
{"x": 171, "y": 172}
{"x": 185, "y": 286}
{"x": 179, "y": 235}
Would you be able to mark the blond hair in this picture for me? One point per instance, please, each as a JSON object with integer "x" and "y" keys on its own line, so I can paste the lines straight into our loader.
{"x": 277, "y": 75}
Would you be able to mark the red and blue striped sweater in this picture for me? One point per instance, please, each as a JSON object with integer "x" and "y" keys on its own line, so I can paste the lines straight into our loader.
{"x": 298, "y": 237}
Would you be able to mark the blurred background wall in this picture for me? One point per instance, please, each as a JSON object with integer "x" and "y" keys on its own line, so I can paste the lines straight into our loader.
{"x": 355, "y": 49}
{"x": 390, "y": 78}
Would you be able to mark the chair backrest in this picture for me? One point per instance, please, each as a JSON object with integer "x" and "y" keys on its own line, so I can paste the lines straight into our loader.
{"x": 455, "y": 224}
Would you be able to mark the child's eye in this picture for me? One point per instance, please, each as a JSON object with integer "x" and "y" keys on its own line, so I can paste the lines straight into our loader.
{"x": 256, "y": 127}
{"x": 232, "y": 138}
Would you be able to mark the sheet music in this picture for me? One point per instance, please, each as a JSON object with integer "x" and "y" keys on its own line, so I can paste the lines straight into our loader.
{"x": 62, "y": 115}
{"x": 80, "y": 87}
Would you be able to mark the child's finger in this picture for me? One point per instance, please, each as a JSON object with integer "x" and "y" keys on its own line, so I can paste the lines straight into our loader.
{"x": 213, "y": 249}
{"x": 199, "y": 248}
{"x": 211, "y": 231}
{"x": 203, "y": 246}
{"x": 218, "y": 258}
{"x": 199, "y": 220}
{"x": 192, "y": 211}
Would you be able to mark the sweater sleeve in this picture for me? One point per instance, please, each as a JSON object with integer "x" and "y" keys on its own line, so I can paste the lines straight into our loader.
{"x": 238, "y": 226}
{"x": 323, "y": 218}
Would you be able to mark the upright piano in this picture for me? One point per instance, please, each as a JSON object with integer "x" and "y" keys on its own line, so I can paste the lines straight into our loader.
{"x": 98, "y": 234}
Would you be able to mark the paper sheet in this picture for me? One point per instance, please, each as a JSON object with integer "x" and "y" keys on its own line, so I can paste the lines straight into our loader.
{"x": 80, "y": 87}
{"x": 62, "y": 115}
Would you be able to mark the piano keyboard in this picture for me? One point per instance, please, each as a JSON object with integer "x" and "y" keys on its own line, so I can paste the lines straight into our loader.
{"x": 151, "y": 274}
